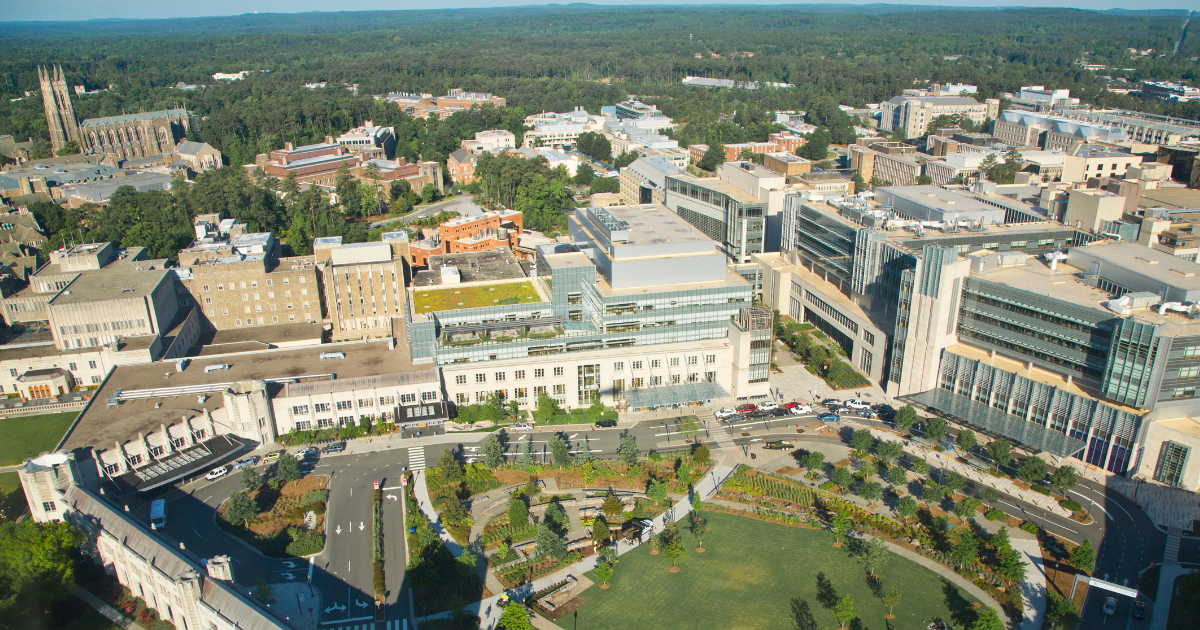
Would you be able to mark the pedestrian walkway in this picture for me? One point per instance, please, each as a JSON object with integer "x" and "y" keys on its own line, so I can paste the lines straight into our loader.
{"x": 1174, "y": 538}
{"x": 399, "y": 624}
{"x": 1166, "y": 588}
{"x": 416, "y": 458}
{"x": 104, "y": 609}
{"x": 421, "y": 490}
{"x": 1033, "y": 588}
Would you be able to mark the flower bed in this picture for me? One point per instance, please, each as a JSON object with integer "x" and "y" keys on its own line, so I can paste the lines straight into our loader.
{"x": 522, "y": 572}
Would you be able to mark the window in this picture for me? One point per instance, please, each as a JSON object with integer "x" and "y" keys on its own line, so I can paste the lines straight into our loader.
{"x": 303, "y": 425}
{"x": 674, "y": 362}
{"x": 693, "y": 377}
{"x": 71, "y": 366}
{"x": 224, "y": 311}
{"x": 618, "y": 366}
{"x": 655, "y": 381}
{"x": 1191, "y": 351}
{"x": 461, "y": 399}
{"x": 655, "y": 363}
{"x": 254, "y": 284}
{"x": 538, "y": 390}
{"x": 237, "y": 322}
{"x": 693, "y": 360}
{"x": 521, "y": 393}
{"x": 271, "y": 283}
{"x": 387, "y": 401}
{"x": 560, "y": 390}
{"x": 345, "y": 404}
{"x": 274, "y": 319}
{"x": 408, "y": 399}
{"x": 637, "y": 365}
{"x": 618, "y": 386}
{"x": 428, "y": 396}
{"x": 95, "y": 380}
{"x": 324, "y": 423}
{"x": 499, "y": 376}
{"x": 710, "y": 358}
{"x": 558, "y": 371}
{"x": 637, "y": 382}
{"x": 345, "y": 420}
{"x": 12, "y": 371}
{"x": 299, "y": 410}
{"x": 270, "y": 295}
{"x": 220, "y": 287}
{"x": 207, "y": 300}
{"x": 1189, "y": 372}
{"x": 539, "y": 373}
{"x": 481, "y": 378}
{"x": 48, "y": 506}
{"x": 206, "y": 287}
{"x": 92, "y": 364}
{"x": 519, "y": 375}
{"x": 320, "y": 407}
{"x": 676, "y": 378}
{"x": 366, "y": 402}
{"x": 460, "y": 379}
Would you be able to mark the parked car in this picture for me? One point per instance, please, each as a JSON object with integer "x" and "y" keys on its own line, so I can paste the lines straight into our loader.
{"x": 605, "y": 424}
{"x": 855, "y": 403}
{"x": 272, "y": 456}
{"x": 800, "y": 408}
{"x": 767, "y": 405}
{"x": 1139, "y": 610}
{"x": 882, "y": 409}
{"x": 245, "y": 461}
{"x": 757, "y": 414}
{"x": 522, "y": 426}
{"x": 217, "y": 473}
{"x": 831, "y": 401}
{"x": 737, "y": 417}
{"x": 829, "y": 417}
{"x": 778, "y": 411}
{"x": 868, "y": 414}
{"x": 1110, "y": 605}
{"x": 779, "y": 445}
{"x": 724, "y": 413}
{"x": 747, "y": 407}
{"x": 336, "y": 447}
{"x": 307, "y": 453}
{"x": 838, "y": 409}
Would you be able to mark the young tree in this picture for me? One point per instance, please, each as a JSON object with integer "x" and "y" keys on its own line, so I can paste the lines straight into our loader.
{"x": 891, "y": 599}
{"x": 906, "y": 507}
{"x": 584, "y": 174}
{"x": 897, "y": 476}
{"x": 965, "y": 439}
{"x": 699, "y": 527}
{"x": 518, "y": 512}
{"x": 702, "y": 455}
{"x": 841, "y": 476}
{"x": 1064, "y": 478}
{"x": 1060, "y": 611}
{"x": 1033, "y": 469}
{"x": 1083, "y": 557}
{"x": 989, "y": 495}
{"x": 584, "y": 454}
{"x": 674, "y": 551}
{"x": 888, "y": 450}
{"x": 240, "y": 508}
{"x": 250, "y": 479}
{"x": 814, "y": 461}
{"x": 287, "y": 468}
{"x": 603, "y": 573}
{"x": 526, "y": 457}
{"x": 515, "y": 617}
{"x": 1000, "y": 451}
{"x": 965, "y": 548}
{"x": 627, "y": 452}
{"x": 921, "y": 467}
{"x": 965, "y": 508}
{"x": 839, "y": 527}
{"x": 872, "y": 491}
{"x": 953, "y": 481}
{"x": 263, "y": 592}
{"x": 600, "y": 531}
{"x": 450, "y": 467}
{"x": 861, "y": 440}
{"x": 612, "y": 507}
{"x": 873, "y": 555}
{"x": 906, "y": 417}
{"x": 559, "y": 451}
{"x": 936, "y": 429}
{"x": 493, "y": 451}
{"x": 429, "y": 193}
{"x": 657, "y": 491}
{"x": 843, "y": 611}
{"x": 932, "y": 493}
{"x": 549, "y": 543}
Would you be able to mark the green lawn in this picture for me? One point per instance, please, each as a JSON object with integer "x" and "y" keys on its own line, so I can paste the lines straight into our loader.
{"x": 1186, "y": 604}
{"x": 762, "y": 575}
{"x": 461, "y": 296}
{"x": 27, "y": 436}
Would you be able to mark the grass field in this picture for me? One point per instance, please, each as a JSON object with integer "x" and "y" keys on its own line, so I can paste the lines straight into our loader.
{"x": 1186, "y": 604}
{"x": 27, "y": 436}
{"x": 761, "y": 575}
{"x": 473, "y": 297}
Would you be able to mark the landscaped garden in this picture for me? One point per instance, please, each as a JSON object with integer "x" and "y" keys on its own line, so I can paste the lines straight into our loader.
{"x": 29, "y": 436}
{"x": 272, "y": 510}
{"x": 456, "y": 297}
{"x": 822, "y": 357}
{"x": 757, "y": 574}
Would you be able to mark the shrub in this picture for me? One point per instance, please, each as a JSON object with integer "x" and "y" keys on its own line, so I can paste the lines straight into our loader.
{"x": 314, "y": 496}
{"x": 378, "y": 578}
{"x": 306, "y": 545}
{"x": 1041, "y": 490}
{"x": 994, "y": 515}
{"x": 1070, "y": 505}
{"x": 1030, "y": 527}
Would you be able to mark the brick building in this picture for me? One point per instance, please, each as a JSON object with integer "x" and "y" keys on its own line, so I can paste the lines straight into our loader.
{"x": 319, "y": 163}
{"x": 469, "y": 234}
{"x": 461, "y": 166}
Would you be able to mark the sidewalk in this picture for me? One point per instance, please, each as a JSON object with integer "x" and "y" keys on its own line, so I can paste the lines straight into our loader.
{"x": 1033, "y": 589}
{"x": 1167, "y": 507}
{"x": 106, "y": 610}
{"x": 426, "y": 506}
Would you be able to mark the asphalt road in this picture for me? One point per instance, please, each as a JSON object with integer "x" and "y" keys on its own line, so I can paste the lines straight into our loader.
{"x": 1125, "y": 537}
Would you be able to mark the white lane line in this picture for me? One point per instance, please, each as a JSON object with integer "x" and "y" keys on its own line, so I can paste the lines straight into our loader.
{"x": 1106, "y": 512}
{"x": 1016, "y": 507}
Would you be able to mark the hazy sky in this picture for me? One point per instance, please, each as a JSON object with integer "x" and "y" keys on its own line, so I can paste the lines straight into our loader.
{"x": 92, "y": 9}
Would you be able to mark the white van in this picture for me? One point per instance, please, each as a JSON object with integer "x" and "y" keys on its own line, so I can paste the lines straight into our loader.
{"x": 158, "y": 514}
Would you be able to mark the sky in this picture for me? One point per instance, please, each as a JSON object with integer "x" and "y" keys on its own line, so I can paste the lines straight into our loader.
{"x": 56, "y": 10}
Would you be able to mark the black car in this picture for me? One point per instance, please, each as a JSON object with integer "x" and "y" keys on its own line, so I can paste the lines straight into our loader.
{"x": 831, "y": 401}
{"x": 779, "y": 411}
{"x": 758, "y": 414}
{"x": 1139, "y": 610}
{"x": 734, "y": 418}
{"x": 882, "y": 409}
{"x": 604, "y": 424}
{"x": 336, "y": 447}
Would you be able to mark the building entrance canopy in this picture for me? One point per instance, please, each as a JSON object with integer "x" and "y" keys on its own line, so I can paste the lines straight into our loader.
{"x": 681, "y": 394}
{"x": 995, "y": 421}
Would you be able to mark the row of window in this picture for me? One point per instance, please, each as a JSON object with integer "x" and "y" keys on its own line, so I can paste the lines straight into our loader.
{"x": 233, "y": 286}
{"x": 618, "y": 366}
{"x": 384, "y": 401}
{"x": 125, "y": 324}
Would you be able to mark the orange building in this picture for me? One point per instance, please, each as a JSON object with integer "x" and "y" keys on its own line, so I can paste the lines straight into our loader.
{"x": 494, "y": 229}
{"x": 785, "y": 141}
{"x": 319, "y": 163}
{"x": 461, "y": 166}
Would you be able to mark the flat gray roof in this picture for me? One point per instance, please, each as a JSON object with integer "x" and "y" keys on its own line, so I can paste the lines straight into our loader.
{"x": 114, "y": 282}
{"x": 1151, "y": 263}
{"x": 936, "y": 197}
{"x": 654, "y": 224}
{"x": 497, "y": 264}
{"x": 102, "y": 426}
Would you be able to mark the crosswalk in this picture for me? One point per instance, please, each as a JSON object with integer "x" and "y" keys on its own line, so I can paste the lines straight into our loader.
{"x": 416, "y": 458}
{"x": 716, "y": 430}
{"x": 395, "y": 624}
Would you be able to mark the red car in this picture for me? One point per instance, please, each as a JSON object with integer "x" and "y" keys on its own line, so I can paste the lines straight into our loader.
{"x": 792, "y": 405}
{"x": 748, "y": 407}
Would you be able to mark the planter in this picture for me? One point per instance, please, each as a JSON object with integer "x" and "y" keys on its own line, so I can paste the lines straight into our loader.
{"x": 889, "y": 616}
{"x": 604, "y": 586}
{"x": 674, "y": 569}
{"x": 654, "y": 552}
{"x": 837, "y": 545}
{"x": 699, "y": 549}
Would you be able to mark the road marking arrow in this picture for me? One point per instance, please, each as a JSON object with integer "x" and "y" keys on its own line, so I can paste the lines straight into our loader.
{"x": 290, "y": 565}
{"x": 1125, "y": 582}
{"x": 360, "y": 526}
{"x": 1105, "y": 577}
{"x": 360, "y": 603}
{"x": 392, "y": 497}
{"x": 336, "y": 606}
{"x": 288, "y": 576}
{"x": 339, "y": 529}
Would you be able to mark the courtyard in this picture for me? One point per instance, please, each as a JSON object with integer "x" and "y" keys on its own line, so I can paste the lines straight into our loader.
{"x": 756, "y": 574}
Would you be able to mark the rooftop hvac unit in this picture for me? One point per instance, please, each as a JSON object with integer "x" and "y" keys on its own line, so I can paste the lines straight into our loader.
{"x": 333, "y": 355}
{"x": 216, "y": 368}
